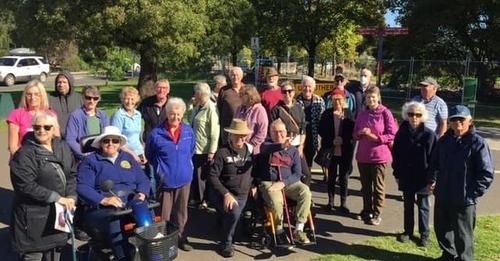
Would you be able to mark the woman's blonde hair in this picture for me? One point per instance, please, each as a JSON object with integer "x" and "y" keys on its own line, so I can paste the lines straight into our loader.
{"x": 44, "y": 101}
{"x": 130, "y": 91}
{"x": 253, "y": 94}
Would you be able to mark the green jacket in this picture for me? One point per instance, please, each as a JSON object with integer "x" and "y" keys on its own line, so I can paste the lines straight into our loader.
{"x": 205, "y": 123}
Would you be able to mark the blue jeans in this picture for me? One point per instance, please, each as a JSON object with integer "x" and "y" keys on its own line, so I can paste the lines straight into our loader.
{"x": 423, "y": 213}
{"x": 229, "y": 219}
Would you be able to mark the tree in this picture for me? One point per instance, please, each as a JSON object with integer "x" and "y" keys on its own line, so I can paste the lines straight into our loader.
{"x": 441, "y": 29}
{"x": 312, "y": 21}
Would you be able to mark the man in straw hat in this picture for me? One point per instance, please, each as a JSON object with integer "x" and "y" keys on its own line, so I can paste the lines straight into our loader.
{"x": 280, "y": 170}
{"x": 230, "y": 176}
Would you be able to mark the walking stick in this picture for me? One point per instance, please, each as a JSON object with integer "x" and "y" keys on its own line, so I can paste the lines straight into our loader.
{"x": 72, "y": 233}
{"x": 286, "y": 207}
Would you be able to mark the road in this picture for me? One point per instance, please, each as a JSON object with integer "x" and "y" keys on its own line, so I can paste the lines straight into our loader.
{"x": 81, "y": 79}
{"x": 334, "y": 231}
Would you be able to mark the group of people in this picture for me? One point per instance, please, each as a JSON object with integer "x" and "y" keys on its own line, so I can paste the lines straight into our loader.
{"x": 237, "y": 142}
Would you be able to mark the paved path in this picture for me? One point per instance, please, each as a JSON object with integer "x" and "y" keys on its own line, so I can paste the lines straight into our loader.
{"x": 335, "y": 232}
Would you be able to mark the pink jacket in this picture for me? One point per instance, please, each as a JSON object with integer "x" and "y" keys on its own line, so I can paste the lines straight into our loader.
{"x": 256, "y": 117}
{"x": 382, "y": 124}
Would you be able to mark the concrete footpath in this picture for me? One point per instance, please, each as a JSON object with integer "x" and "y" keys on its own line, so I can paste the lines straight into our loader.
{"x": 334, "y": 231}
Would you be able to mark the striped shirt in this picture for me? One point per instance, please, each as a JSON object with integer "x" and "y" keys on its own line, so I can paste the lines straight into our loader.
{"x": 437, "y": 110}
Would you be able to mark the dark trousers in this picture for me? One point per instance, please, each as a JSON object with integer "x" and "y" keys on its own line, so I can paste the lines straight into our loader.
{"x": 150, "y": 173}
{"x": 228, "y": 220}
{"x": 49, "y": 255}
{"x": 372, "y": 187}
{"x": 306, "y": 171}
{"x": 454, "y": 227}
{"x": 174, "y": 206}
{"x": 423, "y": 213}
{"x": 338, "y": 168}
{"x": 200, "y": 172}
{"x": 309, "y": 150}
{"x": 98, "y": 223}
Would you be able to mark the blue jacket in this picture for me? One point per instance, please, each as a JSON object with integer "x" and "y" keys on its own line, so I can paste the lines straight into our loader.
{"x": 463, "y": 169}
{"x": 272, "y": 155}
{"x": 125, "y": 173}
{"x": 77, "y": 129}
{"x": 172, "y": 162}
{"x": 411, "y": 157}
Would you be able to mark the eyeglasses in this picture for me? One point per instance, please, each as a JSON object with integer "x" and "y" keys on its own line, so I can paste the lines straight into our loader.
{"x": 88, "y": 98}
{"x": 286, "y": 91}
{"x": 39, "y": 127}
{"x": 110, "y": 140}
{"x": 413, "y": 114}
{"x": 339, "y": 80}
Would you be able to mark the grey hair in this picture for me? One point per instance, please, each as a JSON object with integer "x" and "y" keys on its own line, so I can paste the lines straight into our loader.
{"x": 306, "y": 78}
{"x": 174, "y": 101}
{"x": 203, "y": 89}
{"x": 236, "y": 68}
{"x": 368, "y": 72}
{"x": 220, "y": 79}
{"x": 44, "y": 115}
{"x": 91, "y": 90}
{"x": 416, "y": 106}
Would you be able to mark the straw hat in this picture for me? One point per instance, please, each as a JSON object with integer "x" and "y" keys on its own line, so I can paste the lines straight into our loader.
{"x": 109, "y": 131}
{"x": 239, "y": 127}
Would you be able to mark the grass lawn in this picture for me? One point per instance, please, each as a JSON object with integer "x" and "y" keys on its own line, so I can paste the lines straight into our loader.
{"x": 486, "y": 246}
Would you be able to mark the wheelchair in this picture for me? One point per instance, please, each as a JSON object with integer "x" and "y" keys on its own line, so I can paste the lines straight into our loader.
{"x": 258, "y": 222}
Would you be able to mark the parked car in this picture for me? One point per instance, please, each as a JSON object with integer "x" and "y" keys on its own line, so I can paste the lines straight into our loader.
{"x": 23, "y": 68}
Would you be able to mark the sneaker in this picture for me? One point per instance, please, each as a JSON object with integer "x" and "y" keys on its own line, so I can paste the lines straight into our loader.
{"x": 184, "y": 244}
{"x": 364, "y": 216}
{"x": 300, "y": 237}
{"x": 375, "y": 220}
{"x": 227, "y": 250}
{"x": 203, "y": 205}
{"x": 424, "y": 241}
{"x": 282, "y": 240}
{"x": 403, "y": 238}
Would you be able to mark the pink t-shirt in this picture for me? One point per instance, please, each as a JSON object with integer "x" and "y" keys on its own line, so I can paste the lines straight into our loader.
{"x": 22, "y": 118}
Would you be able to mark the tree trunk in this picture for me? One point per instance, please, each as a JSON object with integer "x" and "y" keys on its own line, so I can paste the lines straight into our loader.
{"x": 312, "y": 61}
{"x": 147, "y": 76}
{"x": 234, "y": 58}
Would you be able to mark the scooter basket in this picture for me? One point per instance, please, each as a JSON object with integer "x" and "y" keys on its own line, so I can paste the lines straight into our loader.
{"x": 157, "y": 248}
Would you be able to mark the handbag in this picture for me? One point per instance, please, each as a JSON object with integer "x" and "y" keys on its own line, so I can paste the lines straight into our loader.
{"x": 323, "y": 157}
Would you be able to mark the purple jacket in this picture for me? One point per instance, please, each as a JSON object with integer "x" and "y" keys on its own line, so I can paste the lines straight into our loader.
{"x": 256, "y": 117}
{"x": 382, "y": 124}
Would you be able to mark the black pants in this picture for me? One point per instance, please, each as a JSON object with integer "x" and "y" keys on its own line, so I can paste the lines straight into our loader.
{"x": 198, "y": 186}
{"x": 454, "y": 227}
{"x": 309, "y": 150}
{"x": 338, "y": 168}
{"x": 423, "y": 213}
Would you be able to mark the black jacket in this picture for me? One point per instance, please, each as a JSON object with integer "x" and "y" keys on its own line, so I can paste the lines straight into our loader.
{"x": 231, "y": 173}
{"x": 296, "y": 111}
{"x": 463, "y": 169}
{"x": 327, "y": 131}
{"x": 39, "y": 178}
{"x": 63, "y": 105}
{"x": 411, "y": 157}
{"x": 152, "y": 115}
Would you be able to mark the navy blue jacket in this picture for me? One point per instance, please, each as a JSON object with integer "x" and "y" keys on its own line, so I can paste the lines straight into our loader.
{"x": 172, "y": 162}
{"x": 287, "y": 159}
{"x": 411, "y": 157}
{"x": 463, "y": 169}
{"x": 125, "y": 173}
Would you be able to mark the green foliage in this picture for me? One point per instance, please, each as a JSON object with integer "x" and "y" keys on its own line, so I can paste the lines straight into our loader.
{"x": 6, "y": 26}
{"x": 114, "y": 61}
{"x": 342, "y": 45}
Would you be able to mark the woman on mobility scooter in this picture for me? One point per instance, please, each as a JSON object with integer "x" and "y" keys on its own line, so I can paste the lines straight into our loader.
{"x": 109, "y": 163}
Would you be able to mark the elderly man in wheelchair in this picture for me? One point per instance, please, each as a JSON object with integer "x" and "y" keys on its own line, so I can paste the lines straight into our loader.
{"x": 100, "y": 198}
{"x": 279, "y": 172}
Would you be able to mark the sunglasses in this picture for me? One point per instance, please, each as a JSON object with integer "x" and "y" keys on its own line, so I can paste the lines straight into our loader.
{"x": 286, "y": 91}
{"x": 457, "y": 119}
{"x": 39, "y": 127}
{"x": 110, "y": 140}
{"x": 339, "y": 80}
{"x": 412, "y": 114}
{"x": 88, "y": 98}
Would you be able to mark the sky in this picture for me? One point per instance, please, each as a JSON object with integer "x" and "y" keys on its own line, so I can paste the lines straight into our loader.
{"x": 389, "y": 19}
